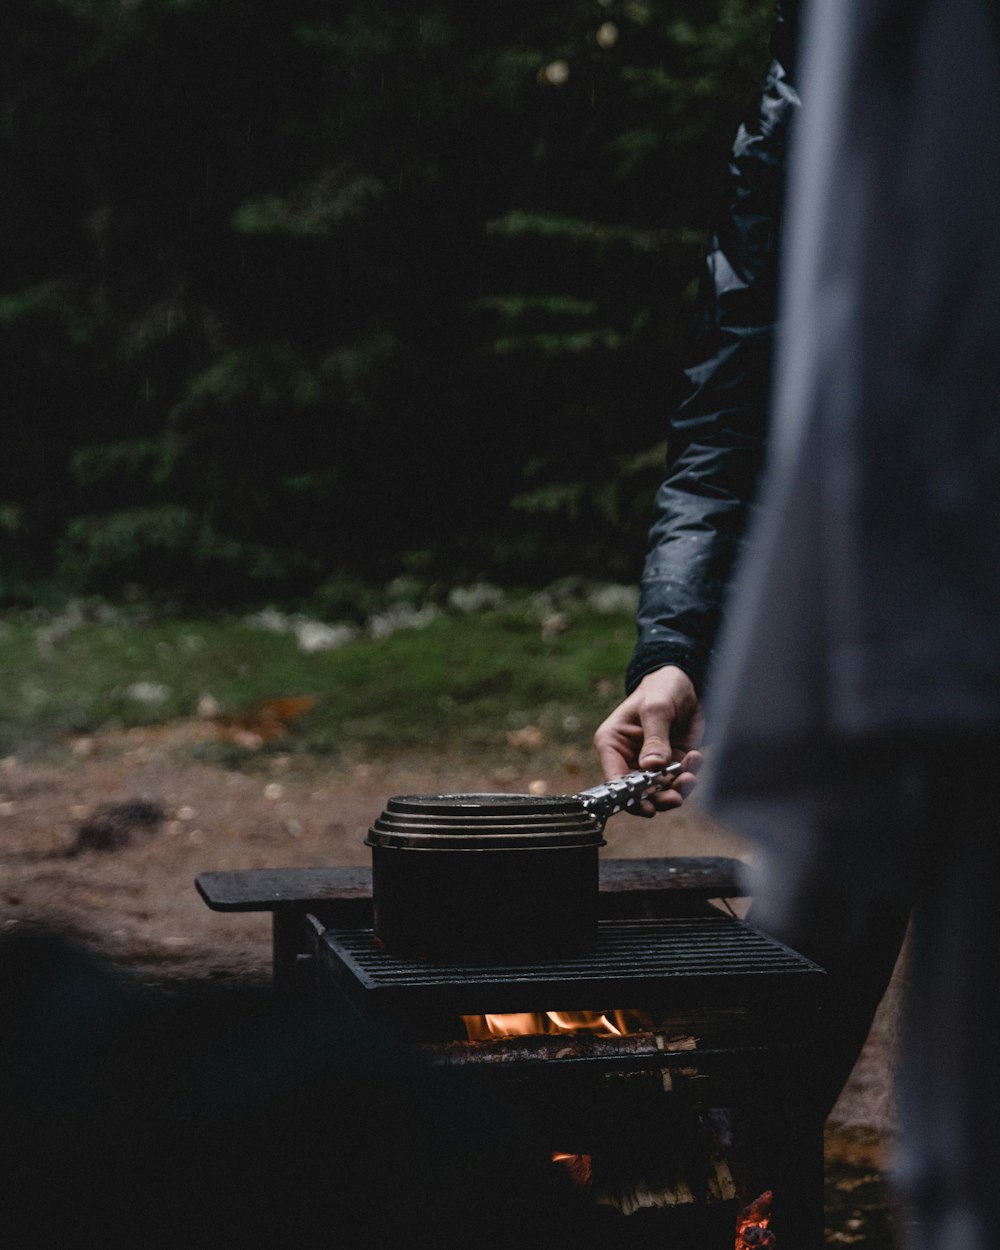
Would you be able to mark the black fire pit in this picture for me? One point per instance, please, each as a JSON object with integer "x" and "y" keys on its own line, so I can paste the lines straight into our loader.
{"x": 713, "y": 1087}
{"x": 709, "y": 1098}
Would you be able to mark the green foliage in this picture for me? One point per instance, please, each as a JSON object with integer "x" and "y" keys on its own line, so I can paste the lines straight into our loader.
{"x": 298, "y": 291}
{"x": 312, "y": 211}
{"x": 169, "y": 546}
{"x": 457, "y": 685}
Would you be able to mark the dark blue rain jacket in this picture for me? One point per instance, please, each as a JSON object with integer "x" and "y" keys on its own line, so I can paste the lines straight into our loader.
{"x": 717, "y": 434}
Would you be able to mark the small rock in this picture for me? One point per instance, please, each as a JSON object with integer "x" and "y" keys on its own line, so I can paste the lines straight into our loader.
{"x": 273, "y": 791}
{"x": 209, "y": 707}
{"x": 149, "y": 692}
{"x": 402, "y": 617}
{"x": 317, "y": 636}
{"x": 478, "y": 598}
{"x": 538, "y": 786}
{"x": 555, "y": 624}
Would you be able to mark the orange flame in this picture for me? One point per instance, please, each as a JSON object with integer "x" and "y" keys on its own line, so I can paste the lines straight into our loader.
{"x": 752, "y": 1231}
{"x": 528, "y": 1023}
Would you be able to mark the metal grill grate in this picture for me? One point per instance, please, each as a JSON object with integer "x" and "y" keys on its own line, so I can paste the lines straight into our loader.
{"x": 678, "y": 961}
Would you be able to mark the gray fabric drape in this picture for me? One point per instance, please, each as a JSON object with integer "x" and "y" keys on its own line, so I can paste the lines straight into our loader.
{"x": 855, "y": 705}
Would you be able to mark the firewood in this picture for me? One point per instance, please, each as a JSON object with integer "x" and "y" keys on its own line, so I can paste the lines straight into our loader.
{"x": 759, "y": 1211}
{"x": 721, "y": 1185}
{"x": 641, "y": 1193}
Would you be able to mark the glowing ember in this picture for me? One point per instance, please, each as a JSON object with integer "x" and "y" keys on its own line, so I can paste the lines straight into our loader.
{"x": 752, "y": 1231}
{"x": 579, "y": 1167}
{"x": 529, "y": 1023}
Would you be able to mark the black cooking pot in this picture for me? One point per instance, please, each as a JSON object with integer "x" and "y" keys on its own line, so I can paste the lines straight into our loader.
{"x": 493, "y": 877}
{"x": 484, "y": 876}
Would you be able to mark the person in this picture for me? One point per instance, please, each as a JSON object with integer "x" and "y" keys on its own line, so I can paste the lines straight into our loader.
{"x": 702, "y": 528}
{"x": 855, "y": 701}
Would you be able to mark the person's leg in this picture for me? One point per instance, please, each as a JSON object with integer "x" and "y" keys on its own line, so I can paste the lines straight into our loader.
{"x": 859, "y": 958}
{"x": 833, "y": 881}
{"x": 949, "y": 1144}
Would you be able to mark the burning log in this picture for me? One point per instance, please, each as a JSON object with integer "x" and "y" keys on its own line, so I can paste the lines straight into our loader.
{"x": 549, "y": 1048}
{"x": 752, "y": 1231}
{"x": 679, "y": 1029}
{"x": 759, "y": 1211}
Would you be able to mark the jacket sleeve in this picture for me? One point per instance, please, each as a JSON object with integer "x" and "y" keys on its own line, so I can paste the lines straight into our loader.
{"x": 717, "y": 434}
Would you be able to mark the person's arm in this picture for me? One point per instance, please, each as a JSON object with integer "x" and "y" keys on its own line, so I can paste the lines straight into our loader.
{"x": 715, "y": 449}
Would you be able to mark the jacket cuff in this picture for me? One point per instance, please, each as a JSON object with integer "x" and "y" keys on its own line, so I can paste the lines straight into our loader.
{"x": 690, "y": 656}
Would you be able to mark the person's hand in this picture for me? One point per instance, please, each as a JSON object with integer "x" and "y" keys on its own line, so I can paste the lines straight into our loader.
{"x": 660, "y": 722}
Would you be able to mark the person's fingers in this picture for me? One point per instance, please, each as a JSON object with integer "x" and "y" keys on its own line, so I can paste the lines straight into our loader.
{"x": 669, "y": 715}
{"x": 682, "y": 785}
{"x": 665, "y": 800}
{"x": 617, "y": 740}
{"x": 656, "y": 750}
{"x": 687, "y": 779}
{"x": 614, "y": 758}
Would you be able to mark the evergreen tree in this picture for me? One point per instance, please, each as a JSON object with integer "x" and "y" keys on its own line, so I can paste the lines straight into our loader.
{"x": 298, "y": 289}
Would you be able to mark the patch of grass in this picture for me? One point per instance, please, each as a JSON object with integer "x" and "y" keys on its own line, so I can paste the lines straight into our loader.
{"x": 460, "y": 683}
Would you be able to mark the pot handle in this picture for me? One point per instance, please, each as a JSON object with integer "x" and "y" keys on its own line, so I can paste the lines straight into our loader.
{"x": 621, "y": 793}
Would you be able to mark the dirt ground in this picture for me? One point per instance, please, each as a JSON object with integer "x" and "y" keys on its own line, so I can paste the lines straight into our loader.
{"x": 138, "y": 901}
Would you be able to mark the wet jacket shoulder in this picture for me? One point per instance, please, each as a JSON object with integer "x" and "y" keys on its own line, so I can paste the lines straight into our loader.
{"x": 717, "y": 434}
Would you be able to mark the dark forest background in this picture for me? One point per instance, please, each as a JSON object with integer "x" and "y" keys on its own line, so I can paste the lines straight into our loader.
{"x": 298, "y": 295}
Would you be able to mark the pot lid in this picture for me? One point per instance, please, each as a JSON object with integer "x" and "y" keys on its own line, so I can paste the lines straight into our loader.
{"x": 487, "y": 806}
{"x": 485, "y": 822}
